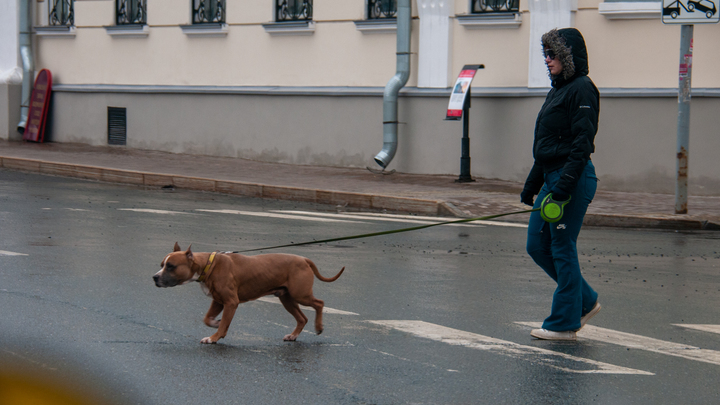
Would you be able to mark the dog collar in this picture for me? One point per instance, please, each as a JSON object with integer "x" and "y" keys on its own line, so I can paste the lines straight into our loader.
{"x": 205, "y": 273}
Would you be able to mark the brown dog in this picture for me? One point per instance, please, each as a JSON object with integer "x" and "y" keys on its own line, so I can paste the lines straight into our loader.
{"x": 232, "y": 278}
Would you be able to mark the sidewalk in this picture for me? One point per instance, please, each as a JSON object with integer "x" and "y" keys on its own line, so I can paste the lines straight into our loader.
{"x": 351, "y": 188}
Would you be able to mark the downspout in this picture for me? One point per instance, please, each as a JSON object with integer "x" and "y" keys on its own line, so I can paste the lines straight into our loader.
{"x": 390, "y": 96}
{"x": 26, "y": 54}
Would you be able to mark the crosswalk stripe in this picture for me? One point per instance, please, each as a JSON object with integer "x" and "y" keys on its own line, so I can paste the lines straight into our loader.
{"x": 276, "y": 215}
{"x": 534, "y": 354}
{"x": 643, "y": 343}
{"x": 326, "y": 310}
{"x": 704, "y": 328}
{"x": 7, "y": 253}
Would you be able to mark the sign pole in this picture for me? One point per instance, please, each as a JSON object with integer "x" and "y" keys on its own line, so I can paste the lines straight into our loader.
{"x": 683, "y": 121}
{"x": 465, "y": 176}
{"x": 459, "y": 108}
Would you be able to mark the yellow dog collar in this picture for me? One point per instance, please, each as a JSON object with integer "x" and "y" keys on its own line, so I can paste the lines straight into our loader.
{"x": 205, "y": 273}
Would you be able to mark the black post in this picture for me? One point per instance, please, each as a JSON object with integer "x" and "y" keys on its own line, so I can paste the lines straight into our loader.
{"x": 465, "y": 156}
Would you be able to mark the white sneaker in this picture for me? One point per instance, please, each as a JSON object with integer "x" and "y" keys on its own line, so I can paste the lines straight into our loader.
{"x": 590, "y": 314}
{"x": 545, "y": 334}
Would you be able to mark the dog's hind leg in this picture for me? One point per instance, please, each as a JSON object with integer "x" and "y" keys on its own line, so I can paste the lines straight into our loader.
{"x": 292, "y": 307}
{"x": 214, "y": 311}
{"x": 318, "y": 306}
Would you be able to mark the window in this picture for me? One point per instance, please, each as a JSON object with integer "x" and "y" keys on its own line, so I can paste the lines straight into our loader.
{"x": 494, "y": 6}
{"x": 293, "y": 10}
{"x": 131, "y": 12}
{"x": 381, "y": 9}
{"x": 62, "y": 13}
{"x": 208, "y": 11}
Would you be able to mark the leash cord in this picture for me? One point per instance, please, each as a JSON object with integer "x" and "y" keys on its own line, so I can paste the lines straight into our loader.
{"x": 369, "y": 235}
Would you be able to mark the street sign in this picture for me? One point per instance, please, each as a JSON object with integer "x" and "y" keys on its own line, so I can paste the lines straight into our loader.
{"x": 460, "y": 91}
{"x": 39, "y": 103}
{"x": 690, "y": 11}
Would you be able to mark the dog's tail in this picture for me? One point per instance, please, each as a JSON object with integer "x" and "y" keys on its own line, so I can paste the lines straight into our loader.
{"x": 319, "y": 276}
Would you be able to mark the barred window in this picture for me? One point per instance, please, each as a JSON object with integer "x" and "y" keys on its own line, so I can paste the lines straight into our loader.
{"x": 377, "y": 9}
{"x": 131, "y": 12}
{"x": 293, "y": 10}
{"x": 208, "y": 11}
{"x": 494, "y": 6}
{"x": 62, "y": 13}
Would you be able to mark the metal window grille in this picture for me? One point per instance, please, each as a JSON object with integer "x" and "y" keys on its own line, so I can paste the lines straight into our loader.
{"x": 62, "y": 13}
{"x": 208, "y": 11}
{"x": 117, "y": 126}
{"x": 494, "y": 6}
{"x": 131, "y": 12}
{"x": 381, "y": 9}
{"x": 293, "y": 10}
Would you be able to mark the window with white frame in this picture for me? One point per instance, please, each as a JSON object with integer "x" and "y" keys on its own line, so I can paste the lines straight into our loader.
{"x": 62, "y": 13}
{"x": 208, "y": 11}
{"x": 130, "y": 12}
{"x": 378, "y": 9}
{"x": 494, "y": 6}
{"x": 293, "y": 10}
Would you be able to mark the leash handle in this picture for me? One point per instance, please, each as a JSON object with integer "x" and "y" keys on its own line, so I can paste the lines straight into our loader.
{"x": 368, "y": 235}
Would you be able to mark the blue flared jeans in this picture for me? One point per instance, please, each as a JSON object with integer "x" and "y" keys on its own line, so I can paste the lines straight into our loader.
{"x": 553, "y": 246}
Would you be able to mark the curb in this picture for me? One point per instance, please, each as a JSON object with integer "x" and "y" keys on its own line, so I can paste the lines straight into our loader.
{"x": 355, "y": 200}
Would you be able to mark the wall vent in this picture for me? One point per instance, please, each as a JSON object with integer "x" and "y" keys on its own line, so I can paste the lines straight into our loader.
{"x": 117, "y": 126}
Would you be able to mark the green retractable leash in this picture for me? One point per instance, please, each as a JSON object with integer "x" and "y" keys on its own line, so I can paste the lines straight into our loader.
{"x": 551, "y": 210}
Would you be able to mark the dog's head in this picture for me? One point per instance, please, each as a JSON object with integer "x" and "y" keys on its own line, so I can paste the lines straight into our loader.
{"x": 176, "y": 268}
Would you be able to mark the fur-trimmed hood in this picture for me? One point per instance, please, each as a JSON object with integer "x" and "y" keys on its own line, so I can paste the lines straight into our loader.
{"x": 569, "y": 46}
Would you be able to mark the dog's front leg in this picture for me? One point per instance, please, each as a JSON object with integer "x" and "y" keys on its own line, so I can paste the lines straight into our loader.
{"x": 213, "y": 312}
{"x": 228, "y": 314}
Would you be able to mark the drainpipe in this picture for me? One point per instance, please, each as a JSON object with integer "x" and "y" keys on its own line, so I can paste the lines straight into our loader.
{"x": 390, "y": 96}
{"x": 25, "y": 41}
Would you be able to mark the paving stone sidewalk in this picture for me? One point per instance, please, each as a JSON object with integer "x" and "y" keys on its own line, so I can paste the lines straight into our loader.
{"x": 347, "y": 188}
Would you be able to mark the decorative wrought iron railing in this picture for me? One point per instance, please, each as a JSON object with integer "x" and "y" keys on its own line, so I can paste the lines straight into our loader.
{"x": 378, "y": 9}
{"x": 495, "y": 6}
{"x": 130, "y": 12}
{"x": 62, "y": 13}
{"x": 293, "y": 10}
{"x": 208, "y": 11}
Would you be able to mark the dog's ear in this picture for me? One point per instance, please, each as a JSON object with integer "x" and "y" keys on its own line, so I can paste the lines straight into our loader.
{"x": 189, "y": 253}
{"x": 176, "y": 248}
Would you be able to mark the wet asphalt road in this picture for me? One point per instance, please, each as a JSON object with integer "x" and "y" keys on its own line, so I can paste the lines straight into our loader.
{"x": 80, "y": 305}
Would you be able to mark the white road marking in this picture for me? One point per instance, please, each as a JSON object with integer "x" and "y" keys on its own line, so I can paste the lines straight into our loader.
{"x": 643, "y": 343}
{"x": 704, "y": 328}
{"x": 275, "y": 215}
{"x": 151, "y": 211}
{"x": 6, "y": 253}
{"x": 76, "y": 209}
{"x": 326, "y": 310}
{"x": 546, "y": 357}
{"x": 404, "y": 218}
{"x": 408, "y": 219}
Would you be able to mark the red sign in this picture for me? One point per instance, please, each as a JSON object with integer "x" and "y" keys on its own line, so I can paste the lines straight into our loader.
{"x": 460, "y": 91}
{"x": 39, "y": 103}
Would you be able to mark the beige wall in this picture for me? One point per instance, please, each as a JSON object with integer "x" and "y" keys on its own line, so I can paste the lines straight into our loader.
{"x": 623, "y": 53}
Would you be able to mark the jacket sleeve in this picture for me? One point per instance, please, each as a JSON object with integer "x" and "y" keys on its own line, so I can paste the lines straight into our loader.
{"x": 583, "y": 109}
{"x": 535, "y": 180}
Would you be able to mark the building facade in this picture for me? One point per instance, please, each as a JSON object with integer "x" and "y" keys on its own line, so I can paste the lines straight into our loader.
{"x": 302, "y": 82}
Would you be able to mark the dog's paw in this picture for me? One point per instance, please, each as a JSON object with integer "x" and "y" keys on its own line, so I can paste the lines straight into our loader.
{"x": 208, "y": 341}
{"x": 290, "y": 338}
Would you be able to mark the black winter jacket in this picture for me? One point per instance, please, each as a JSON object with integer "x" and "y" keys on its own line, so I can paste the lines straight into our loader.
{"x": 568, "y": 120}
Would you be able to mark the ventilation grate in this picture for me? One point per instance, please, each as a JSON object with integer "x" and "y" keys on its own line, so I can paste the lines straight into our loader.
{"x": 117, "y": 126}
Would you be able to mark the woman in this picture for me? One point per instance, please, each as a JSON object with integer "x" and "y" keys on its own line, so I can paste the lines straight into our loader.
{"x": 564, "y": 139}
